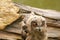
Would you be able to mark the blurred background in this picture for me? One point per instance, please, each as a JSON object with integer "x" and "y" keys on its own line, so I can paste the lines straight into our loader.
{"x": 44, "y": 4}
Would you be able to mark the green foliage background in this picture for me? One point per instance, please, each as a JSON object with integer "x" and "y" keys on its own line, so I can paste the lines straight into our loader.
{"x": 45, "y": 4}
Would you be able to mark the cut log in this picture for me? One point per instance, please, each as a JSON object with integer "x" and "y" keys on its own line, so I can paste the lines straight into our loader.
{"x": 15, "y": 27}
{"x": 44, "y": 12}
{"x": 53, "y": 23}
{"x": 53, "y": 32}
{"x": 55, "y": 38}
{"x": 6, "y": 35}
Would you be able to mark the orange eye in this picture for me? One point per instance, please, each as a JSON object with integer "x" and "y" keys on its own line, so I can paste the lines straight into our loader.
{"x": 34, "y": 23}
{"x": 43, "y": 22}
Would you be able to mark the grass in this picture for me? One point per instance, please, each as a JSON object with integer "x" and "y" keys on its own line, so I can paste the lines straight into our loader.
{"x": 45, "y": 4}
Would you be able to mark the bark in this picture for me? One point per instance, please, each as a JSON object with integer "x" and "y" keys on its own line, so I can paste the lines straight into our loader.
{"x": 44, "y": 12}
{"x": 53, "y": 32}
{"x": 53, "y": 23}
{"x": 9, "y": 36}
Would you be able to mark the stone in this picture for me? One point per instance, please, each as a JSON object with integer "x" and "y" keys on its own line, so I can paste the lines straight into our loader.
{"x": 8, "y": 13}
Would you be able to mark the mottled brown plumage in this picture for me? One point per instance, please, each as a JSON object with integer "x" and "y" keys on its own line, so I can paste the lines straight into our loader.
{"x": 36, "y": 27}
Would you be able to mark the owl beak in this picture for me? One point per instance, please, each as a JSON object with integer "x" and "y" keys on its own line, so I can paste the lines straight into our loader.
{"x": 39, "y": 28}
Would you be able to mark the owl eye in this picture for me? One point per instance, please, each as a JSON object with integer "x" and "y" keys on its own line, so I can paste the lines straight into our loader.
{"x": 43, "y": 22}
{"x": 34, "y": 23}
